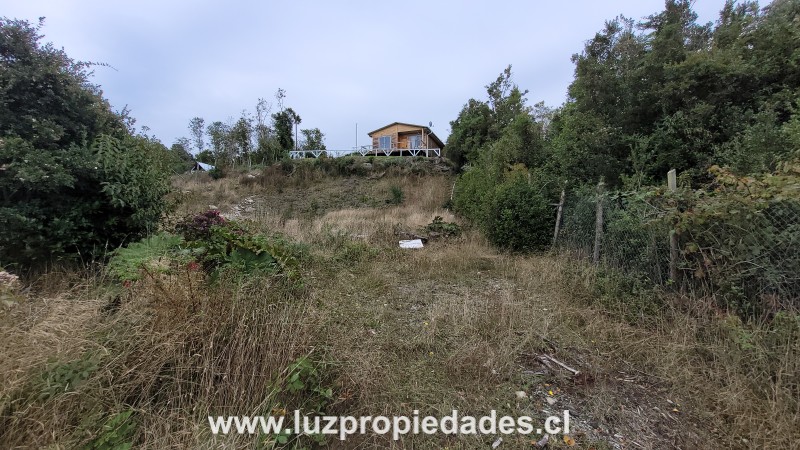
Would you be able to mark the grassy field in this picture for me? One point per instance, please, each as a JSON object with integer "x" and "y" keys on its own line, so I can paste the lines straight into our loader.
{"x": 374, "y": 329}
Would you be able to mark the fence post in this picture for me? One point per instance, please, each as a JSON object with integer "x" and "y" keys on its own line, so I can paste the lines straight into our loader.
{"x": 598, "y": 224}
{"x": 672, "y": 185}
{"x": 558, "y": 216}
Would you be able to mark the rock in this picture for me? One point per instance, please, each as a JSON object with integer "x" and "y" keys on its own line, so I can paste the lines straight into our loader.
{"x": 550, "y": 400}
{"x": 521, "y": 394}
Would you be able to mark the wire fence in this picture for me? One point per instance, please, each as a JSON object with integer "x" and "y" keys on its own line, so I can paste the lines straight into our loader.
{"x": 740, "y": 247}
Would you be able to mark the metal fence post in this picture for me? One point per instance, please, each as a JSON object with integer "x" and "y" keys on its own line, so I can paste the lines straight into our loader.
{"x": 598, "y": 224}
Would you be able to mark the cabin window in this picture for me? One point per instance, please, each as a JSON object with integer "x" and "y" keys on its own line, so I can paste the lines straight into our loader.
{"x": 385, "y": 142}
{"x": 415, "y": 141}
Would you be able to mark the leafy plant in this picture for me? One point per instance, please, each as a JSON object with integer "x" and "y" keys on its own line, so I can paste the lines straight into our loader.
{"x": 519, "y": 219}
{"x": 126, "y": 263}
{"x": 304, "y": 376}
{"x": 66, "y": 377}
{"x": 221, "y": 245}
{"x": 447, "y": 229}
{"x": 116, "y": 433}
{"x": 198, "y": 227}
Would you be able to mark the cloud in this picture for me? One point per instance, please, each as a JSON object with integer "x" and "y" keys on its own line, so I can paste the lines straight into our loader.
{"x": 341, "y": 63}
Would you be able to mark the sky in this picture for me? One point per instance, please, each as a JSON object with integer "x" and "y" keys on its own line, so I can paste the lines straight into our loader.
{"x": 348, "y": 67}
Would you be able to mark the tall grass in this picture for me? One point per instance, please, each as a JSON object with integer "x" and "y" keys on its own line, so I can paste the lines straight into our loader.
{"x": 455, "y": 325}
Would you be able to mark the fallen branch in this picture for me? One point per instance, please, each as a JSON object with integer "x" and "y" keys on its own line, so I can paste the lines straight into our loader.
{"x": 548, "y": 357}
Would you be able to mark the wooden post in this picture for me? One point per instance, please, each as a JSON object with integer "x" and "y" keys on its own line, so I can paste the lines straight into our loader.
{"x": 558, "y": 217}
{"x": 672, "y": 185}
{"x": 598, "y": 224}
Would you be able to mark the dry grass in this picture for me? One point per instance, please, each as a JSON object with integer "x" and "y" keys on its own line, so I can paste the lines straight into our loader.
{"x": 454, "y": 325}
{"x": 170, "y": 349}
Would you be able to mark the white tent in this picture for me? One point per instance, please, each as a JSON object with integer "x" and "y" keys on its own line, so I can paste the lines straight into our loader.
{"x": 202, "y": 166}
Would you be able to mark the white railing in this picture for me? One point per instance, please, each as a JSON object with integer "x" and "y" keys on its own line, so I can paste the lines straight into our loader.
{"x": 364, "y": 151}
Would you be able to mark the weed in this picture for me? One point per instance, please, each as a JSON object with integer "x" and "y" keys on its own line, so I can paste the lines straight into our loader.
{"x": 66, "y": 377}
{"x": 397, "y": 195}
{"x": 447, "y": 229}
{"x": 126, "y": 263}
{"x": 116, "y": 433}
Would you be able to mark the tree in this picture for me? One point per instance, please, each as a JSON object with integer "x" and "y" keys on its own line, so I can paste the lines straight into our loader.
{"x": 313, "y": 139}
{"x": 242, "y": 135}
{"x": 283, "y": 122}
{"x": 480, "y": 123}
{"x": 180, "y": 158}
{"x": 219, "y": 134}
{"x": 56, "y": 110}
{"x": 197, "y": 128}
{"x": 506, "y": 101}
{"x": 73, "y": 179}
{"x": 265, "y": 145}
{"x": 469, "y": 132}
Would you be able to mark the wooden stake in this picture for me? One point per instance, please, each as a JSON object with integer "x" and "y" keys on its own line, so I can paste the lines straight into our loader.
{"x": 558, "y": 217}
{"x": 672, "y": 185}
{"x": 598, "y": 224}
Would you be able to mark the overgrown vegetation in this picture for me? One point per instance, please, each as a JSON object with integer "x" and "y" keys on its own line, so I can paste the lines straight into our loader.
{"x": 75, "y": 180}
{"x": 291, "y": 293}
{"x": 647, "y": 98}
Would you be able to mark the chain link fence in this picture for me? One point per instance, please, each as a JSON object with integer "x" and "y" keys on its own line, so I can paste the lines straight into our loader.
{"x": 740, "y": 248}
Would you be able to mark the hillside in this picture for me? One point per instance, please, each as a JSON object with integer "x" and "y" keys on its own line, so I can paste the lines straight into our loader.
{"x": 370, "y": 329}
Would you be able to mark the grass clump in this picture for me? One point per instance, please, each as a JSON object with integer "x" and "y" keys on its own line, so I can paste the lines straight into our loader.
{"x": 397, "y": 195}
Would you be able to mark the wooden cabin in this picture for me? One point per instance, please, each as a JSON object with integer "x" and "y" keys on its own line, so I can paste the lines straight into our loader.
{"x": 405, "y": 139}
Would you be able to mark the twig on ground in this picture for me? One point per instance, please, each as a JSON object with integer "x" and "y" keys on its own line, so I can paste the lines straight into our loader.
{"x": 548, "y": 357}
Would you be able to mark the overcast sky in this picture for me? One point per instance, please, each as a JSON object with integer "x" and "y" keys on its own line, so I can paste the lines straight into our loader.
{"x": 341, "y": 63}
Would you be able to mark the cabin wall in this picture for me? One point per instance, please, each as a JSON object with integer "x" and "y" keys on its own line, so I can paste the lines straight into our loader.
{"x": 398, "y": 140}
{"x": 401, "y": 140}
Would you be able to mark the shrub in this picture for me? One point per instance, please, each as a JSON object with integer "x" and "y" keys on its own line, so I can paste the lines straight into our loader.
{"x": 216, "y": 173}
{"x": 223, "y": 245}
{"x": 198, "y": 227}
{"x": 447, "y": 229}
{"x": 74, "y": 179}
{"x": 739, "y": 241}
{"x": 519, "y": 217}
{"x": 397, "y": 195}
{"x": 471, "y": 194}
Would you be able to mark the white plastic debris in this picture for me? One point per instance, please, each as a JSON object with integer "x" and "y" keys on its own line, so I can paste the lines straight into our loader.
{"x": 412, "y": 243}
{"x": 497, "y": 443}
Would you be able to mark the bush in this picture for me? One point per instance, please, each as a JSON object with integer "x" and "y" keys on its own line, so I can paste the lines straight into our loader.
{"x": 74, "y": 180}
{"x": 397, "y": 195}
{"x": 739, "y": 241}
{"x": 198, "y": 227}
{"x": 520, "y": 218}
{"x": 446, "y": 229}
{"x": 216, "y": 173}
{"x": 223, "y": 245}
